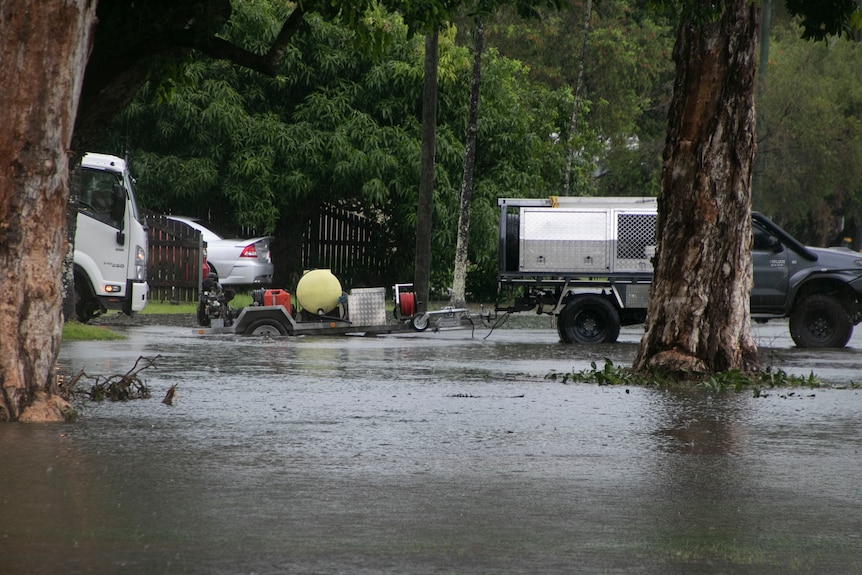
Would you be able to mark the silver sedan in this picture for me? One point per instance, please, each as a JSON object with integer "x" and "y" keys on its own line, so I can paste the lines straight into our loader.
{"x": 236, "y": 262}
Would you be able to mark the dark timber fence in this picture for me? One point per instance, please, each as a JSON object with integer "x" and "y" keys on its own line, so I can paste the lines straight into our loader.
{"x": 345, "y": 243}
{"x": 174, "y": 267}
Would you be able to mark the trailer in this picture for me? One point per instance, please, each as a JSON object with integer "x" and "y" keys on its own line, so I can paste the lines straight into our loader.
{"x": 324, "y": 310}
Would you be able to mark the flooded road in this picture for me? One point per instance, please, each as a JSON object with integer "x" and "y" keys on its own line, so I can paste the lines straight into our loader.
{"x": 433, "y": 453}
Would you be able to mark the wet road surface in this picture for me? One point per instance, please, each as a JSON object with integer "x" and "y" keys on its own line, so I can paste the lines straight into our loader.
{"x": 433, "y": 453}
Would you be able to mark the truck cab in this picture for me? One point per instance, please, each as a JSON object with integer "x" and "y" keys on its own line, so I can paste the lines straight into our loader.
{"x": 110, "y": 241}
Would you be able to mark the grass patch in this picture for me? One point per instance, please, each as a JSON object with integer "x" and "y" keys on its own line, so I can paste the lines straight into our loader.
{"x": 239, "y": 301}
{"x": 734, "y": 380}
{"x": 77, "y": 331}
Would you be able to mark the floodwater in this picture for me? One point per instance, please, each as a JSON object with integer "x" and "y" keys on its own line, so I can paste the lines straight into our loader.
{"x": 433, "y": 453}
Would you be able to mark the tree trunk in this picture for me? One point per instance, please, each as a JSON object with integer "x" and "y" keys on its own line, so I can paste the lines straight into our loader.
{"x": 698, "y": 319}
{"x": 573, "y": 123}
{"x": 425, "y": 208}
{"x": 459, "y": 281}
{"x": 43, "y": 51}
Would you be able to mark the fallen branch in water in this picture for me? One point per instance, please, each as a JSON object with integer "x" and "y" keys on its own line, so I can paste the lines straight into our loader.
{"x": 119, "y": 387}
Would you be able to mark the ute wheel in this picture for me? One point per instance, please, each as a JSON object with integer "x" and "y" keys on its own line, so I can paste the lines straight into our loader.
{"x": 820, "y": 321}
{"x": 419, "y": 322}
{"x": 266, "y": 328}
{"x": 589, "y": 319}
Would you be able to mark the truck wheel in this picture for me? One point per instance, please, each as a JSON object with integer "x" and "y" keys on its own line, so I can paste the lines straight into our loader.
{"x": 589, "y": 319}
{"x": 820, "y": 321}
{"x": 266, "y": 328}
{"x": 86, "y": 305}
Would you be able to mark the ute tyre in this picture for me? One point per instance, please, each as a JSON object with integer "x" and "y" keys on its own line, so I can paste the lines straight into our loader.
{"x": 589, "y": 319}
{"x": 820, "y": 321}
{"x": 266, "y": 328}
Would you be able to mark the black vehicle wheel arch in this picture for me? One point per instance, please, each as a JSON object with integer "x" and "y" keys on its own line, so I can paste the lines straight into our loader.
{"x": 87, "y": 305}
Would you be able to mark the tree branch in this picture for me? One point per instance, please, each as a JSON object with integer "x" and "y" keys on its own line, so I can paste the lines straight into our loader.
{"x": 268, "y": 63}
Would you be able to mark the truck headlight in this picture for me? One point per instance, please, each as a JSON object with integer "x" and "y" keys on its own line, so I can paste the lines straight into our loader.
{"x": 140, "y": 263}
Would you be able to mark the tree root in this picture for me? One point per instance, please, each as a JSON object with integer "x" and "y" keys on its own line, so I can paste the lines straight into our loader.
{"x": 677, "y": 363}
{"x": 47, "y": 408}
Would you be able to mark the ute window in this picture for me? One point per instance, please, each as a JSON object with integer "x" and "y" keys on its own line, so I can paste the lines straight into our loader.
{"x": 98, "y": 195}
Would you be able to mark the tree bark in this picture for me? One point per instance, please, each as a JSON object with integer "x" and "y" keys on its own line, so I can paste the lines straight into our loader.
{"x": 425, "y": 208}
{"x": 43, "y": 52}
{"x": 698, "y": 319}
{"x": 459, "y": 281}
{"x": 573, "y": 123}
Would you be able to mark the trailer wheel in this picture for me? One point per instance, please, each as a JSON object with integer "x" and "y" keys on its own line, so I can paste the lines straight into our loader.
{"x": 266, "y": 328}
{"x": 589, "y": 319}
{"x": 820, "y": 321}
{"x": 419, "y": 322}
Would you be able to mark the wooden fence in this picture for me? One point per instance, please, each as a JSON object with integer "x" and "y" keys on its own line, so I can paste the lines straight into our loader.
{"x": 175, "y": 260}
{"x": 346, "y": 243}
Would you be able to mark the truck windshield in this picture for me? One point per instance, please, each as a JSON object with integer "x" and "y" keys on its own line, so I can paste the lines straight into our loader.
{"x": 97, "y": 195}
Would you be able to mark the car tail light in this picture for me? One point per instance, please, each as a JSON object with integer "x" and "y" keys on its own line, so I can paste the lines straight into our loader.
{"x": 249, "y": 252}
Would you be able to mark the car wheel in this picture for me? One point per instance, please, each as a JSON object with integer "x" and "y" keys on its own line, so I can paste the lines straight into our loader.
{"x": 589, "y": 319}
{"x": 820, "y": 321}
{"x": 266, "y": 328}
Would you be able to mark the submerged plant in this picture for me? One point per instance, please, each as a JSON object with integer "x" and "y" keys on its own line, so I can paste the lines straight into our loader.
{"x": 610, "y": 374}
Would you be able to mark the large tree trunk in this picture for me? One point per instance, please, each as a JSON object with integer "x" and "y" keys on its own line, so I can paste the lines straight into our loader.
{"x": 43, "y": 52}
{"x": 459, "y": 280}
{"x": 698, "y": 319}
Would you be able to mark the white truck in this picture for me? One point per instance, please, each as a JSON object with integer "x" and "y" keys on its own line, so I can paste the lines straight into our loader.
{"x": 110, "y": 261}
{"x": 588, "y": 261}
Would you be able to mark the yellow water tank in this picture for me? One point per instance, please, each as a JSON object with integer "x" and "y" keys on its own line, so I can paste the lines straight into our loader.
{"x": 318, "y": 291}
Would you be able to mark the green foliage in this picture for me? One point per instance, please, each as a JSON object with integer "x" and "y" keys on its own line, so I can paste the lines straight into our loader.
{"x": 722, "y": 382}
{"x": 623, "y": 121}
{"x": 822, "y": 18}
{"x": 341, "y": 127}
{"x": 809, "y": 161}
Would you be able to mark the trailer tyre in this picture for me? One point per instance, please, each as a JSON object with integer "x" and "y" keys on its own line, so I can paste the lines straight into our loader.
{"x": 419, "y": 322}
{"x": 589, "y": 319}
{"x": 820, "y": 321}
{"x": 266, "y": 328}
